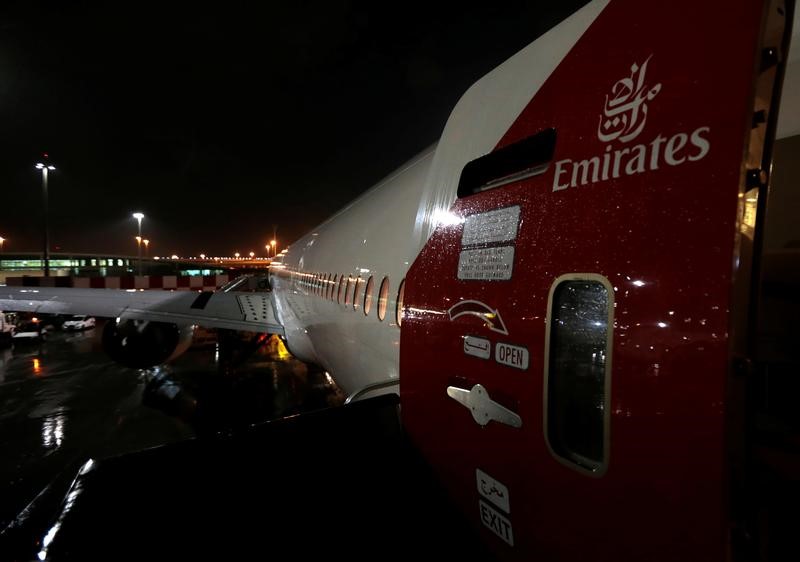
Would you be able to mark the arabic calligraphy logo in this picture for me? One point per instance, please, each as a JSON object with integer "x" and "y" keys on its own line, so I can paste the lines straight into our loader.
{"x": 625, "y": 112}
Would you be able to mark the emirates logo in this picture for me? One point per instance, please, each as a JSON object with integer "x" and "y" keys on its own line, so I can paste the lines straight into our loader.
{"x": 625, "y": 110}
{"x": 624, "y": 117}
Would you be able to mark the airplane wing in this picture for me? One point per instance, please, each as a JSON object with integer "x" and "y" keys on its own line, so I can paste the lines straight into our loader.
{"x": 230, "y": 310}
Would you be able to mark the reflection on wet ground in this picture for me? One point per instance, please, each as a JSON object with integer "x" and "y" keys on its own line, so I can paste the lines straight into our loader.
{"x": 255, "y": 379}
{"x": 64, "y": 401}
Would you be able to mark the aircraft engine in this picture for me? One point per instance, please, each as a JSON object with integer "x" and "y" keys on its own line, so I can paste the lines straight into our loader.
{"x": 141, "y": 344}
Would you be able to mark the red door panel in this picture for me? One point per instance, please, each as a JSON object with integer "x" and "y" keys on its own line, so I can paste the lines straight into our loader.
{"x": 651, "y": 111}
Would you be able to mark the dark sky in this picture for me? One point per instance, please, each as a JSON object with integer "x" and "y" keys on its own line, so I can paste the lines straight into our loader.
{"x": 219, "y": 122}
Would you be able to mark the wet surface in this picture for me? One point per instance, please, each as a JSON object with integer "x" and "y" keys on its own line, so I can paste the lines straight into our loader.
{"x": 64, "y": 401}
{"x": 83, "y": 475}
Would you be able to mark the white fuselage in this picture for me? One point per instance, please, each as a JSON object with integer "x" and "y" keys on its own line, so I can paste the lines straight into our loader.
{"x": 382, "y": 232}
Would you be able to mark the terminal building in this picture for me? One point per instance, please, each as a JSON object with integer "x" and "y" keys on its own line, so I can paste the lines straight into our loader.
{"x": 122, "y": 272}
{"x": 105, "y": 265}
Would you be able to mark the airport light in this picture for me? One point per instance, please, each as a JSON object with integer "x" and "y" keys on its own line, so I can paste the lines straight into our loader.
{"x": 273, "y": 243}
{"x": 236, "y": 254}
{"x": 139, "y": 216}
{"x": 252, "y": 254}
{"x": 2, "y": 241}
{"x": 139, "y": 251}
{"x": 146, "y": 247}
{"x": 45, "y": 168}
{"x": 202, "y": 256}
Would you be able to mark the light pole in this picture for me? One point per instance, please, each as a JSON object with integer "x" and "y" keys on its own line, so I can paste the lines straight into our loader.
{"x": 146, "y": 248}
{"x": 139, "y": 216}
{"x": 273, "y": 243}
{"x": 2, "y": 241}
{"x": 45, "y": 168}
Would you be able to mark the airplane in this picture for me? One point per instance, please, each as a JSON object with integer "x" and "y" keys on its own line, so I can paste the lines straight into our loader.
{"x": 583, "y": 293}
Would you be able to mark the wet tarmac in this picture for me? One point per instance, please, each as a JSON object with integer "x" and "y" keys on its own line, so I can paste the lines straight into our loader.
{"x": 64, "y": 401}
{"x": 102, "y": 462}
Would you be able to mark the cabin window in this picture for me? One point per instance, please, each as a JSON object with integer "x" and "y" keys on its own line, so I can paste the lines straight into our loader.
{"x": 340, "y": 292}
{"x": 332, "y": 291}
{"x": 399, "y": 309}
{"x": 347, "y": 293}
{"x": 368, "y": 295}
{"x": 577, "y": 370}
{"x": 383, "y": 298}
{"x": 356, "y": 289}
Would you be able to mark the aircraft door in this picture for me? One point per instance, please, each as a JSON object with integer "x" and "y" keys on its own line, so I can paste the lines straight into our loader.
{"x": 566, "y": 342}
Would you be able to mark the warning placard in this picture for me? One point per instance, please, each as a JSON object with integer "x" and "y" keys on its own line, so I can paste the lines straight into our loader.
{"x": 486, "y": 264}
{"x": 499, "y": 225}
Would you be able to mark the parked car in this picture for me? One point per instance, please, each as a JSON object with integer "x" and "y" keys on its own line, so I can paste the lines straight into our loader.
{"x": 79, "y": 322}
{"x": 6, "y": 330}
{"x": 30, "y": 331}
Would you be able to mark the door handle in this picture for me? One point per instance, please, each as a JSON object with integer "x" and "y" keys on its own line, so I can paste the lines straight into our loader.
{"x": 483, "y": 408}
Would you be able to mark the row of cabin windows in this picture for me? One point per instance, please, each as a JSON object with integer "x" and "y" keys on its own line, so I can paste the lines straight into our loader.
{"x": 347, "y": 290}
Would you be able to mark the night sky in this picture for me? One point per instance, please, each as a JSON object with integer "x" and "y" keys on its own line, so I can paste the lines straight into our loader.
{"x": 219, "y": 122}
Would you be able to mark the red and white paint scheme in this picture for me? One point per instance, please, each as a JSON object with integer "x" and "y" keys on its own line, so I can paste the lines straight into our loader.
{"x": 574, "y": 264}
{"x": 579, "y": 290}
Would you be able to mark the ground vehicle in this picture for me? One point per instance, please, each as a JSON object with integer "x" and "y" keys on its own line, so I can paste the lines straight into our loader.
{"x": 79, "y": 322}
{"x": 30, "y": 331}
{"x": 6, "y": 330}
